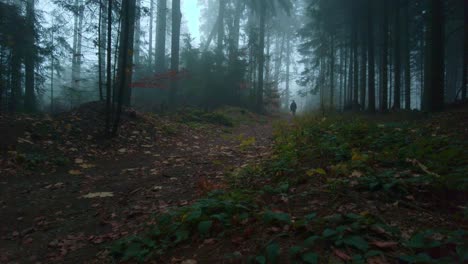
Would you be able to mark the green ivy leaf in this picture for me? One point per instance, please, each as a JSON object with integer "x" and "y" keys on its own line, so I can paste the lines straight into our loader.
{"x": 357, "y": 242}
{"x": 194, "y": 215}
{"x": 420, "y": 258}
{"x": 273, "y": 251}
{"x": 310, "y": 257}
{"x": 329, "y": 233}
{"x": 181, "y": 235}
{"x": 311, "y": 216}
{"x": 204, "y": 227}
{"x": 309, "y": 242}
{"x": 294, "y": 250}
{"x": 270, "y": 216}
{"x": 260, "y": 259}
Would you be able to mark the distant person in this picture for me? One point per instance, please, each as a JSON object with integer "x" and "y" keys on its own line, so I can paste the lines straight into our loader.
{"x": 293, "y": 107}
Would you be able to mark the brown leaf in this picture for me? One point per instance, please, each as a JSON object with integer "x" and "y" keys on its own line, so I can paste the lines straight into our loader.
{"x": 342, "y": 255}
{"x": 376, "y": 260}
{"x": 385, "y": 244}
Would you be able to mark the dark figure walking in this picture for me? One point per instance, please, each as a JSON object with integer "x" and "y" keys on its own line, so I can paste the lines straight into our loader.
{"x": 293, "y": 107}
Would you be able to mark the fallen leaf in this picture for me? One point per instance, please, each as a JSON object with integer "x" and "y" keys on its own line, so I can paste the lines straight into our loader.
{"x": 384, "y": 244}
{"x": 79, "y": 161}
{"x": 122, "y": 150}
{"x": 87, "y": 166}
{"x": 189, "y": 261}
{"x": 75, "y": 172}
{"x": 98, "y": 195}
{"x": 341, "y": 255}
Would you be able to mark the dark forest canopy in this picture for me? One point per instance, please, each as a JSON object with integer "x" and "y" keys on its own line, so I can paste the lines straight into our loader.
{"x": 341, "y": 55}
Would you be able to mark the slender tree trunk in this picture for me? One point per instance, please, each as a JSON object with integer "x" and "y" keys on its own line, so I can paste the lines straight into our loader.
{"x": 16, "y": 93}
{"x": 268, "y": 58}
{"x": 176, "y": 19}
{"x": 362, "y": 101}
{"x": 74, "y": 47}
{"x": 79, "y": 55}
{"x": 240, "y": 5}
{"x": 288, "y": 65}
{"x": 370, "y": 44}
{"x": 150, "y": 44}
{"x": 109, "y": 67}
{"x": 407, "y": 62}
{"x": 437, "y": 47}
{"x": 137, "y": 48}
{"x": 332, "y": 72}
{"x": 161, "y": 36}
{"x": 465, "y": 53}
{"x": 279, "y": 57}
{"x": 384, "y": 85}
{"x": 345, "y": 77}
{"x": 125, "y": 59}
{"x": 220, "y": 29}
{"x": 397, "y": 56}
{"x": 261, "y": 60}
{"x": 356, "y": 64}
{"x": 102, "y": 46}
{"x": 29, "y": 60}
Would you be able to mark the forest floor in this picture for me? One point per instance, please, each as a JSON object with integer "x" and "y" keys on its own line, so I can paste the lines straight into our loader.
{"x": 234, "y": 187}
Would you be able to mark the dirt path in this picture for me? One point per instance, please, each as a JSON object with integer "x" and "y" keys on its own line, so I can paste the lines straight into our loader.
{"x": 45, "y": 218}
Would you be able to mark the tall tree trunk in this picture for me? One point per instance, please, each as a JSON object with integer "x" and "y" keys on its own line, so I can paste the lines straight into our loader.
{"x": 332, "y": 72}
{"x": 240, "y": 5}
{"x": 125, "y": 59}
{"x": 161, "y": 36}
{"x": 384, "y": 61}
{"x": 176, "y": 19}
{"x": 288, "y": 65}
{"x": 29, "y": 59}
{"x": 437, "y": 47}
{"x": 355, "y": 62}
{"x": 220, "y": 34}
{"x": 150, "y": 44}
{"x": 370, "y": 45}
{"x": 279, "y": 56}
{"x": 125, "y": 53}
{"x": 345, "y": 77}
{"x": 268, "y": 58}
{"x": 109, "y": 67}
{"x": 406, "y": 51}
{"x": 397, "y": 56}
{"x": 362, "y": 100}
{"x": 137, "y": 48}
{"x": 102, "y": 46}
{"x": 79, "y": 55}
{"x": 15, "y": 71}
{"x": 261, "y": 60}
{"x": 465, "y": 53}
{"x": 75, "y": 43}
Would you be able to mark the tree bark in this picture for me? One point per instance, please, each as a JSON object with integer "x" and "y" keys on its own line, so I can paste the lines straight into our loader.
{"x": 220, "y": 34}
{"x": 125, "y": 59}
{"x": 30, "y": 58}
{"x": 465, "y": 52}
{"x": 370, "y": 45}
{"x": 137, "y": 33}
{"x": 261, "y": 60}
{"x": 176, "y": 20}
{"x": 161, "y": 36}
{"x": 109, "y": 67}
{"x": 406, "y": 51}
{"x": 436, "y": 102}
{"x": 150, "y": 44}
{"x": 384, "y": 61}
{"x": 397, "y": 57}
